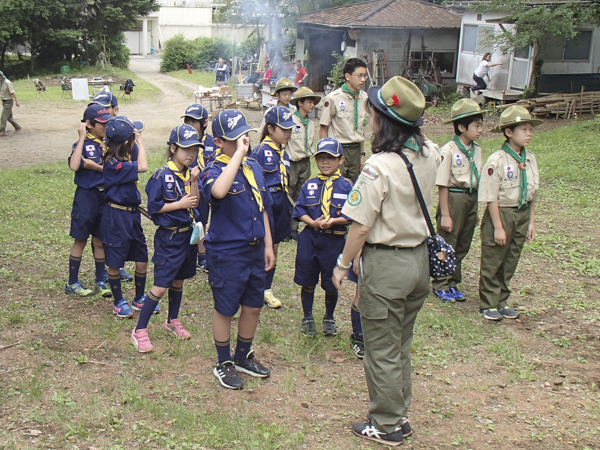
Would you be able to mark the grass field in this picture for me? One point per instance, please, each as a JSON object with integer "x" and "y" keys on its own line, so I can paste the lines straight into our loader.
{"x": 74, "y": 379}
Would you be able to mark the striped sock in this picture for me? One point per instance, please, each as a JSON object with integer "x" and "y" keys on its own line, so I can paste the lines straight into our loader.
{"x": 74, "y": 264}
{"x": 99, "y": 262}
{"x": 175, "y": 295}
{"x": 140, "y": 284}
{"x": 150, "y": 303}
{"x": 331, "y": 299}
{"x": 242, "y": 347}
{"x": 307, "y": 297}
{"x": 223, "y": 350}
{"x": 115, "y": 287}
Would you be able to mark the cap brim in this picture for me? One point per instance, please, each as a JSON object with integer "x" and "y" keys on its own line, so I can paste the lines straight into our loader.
{"x": 462, "y": 116}
{"x": 103, "y": 118}
{"x": 192, "y": 116}
{"x": 316, "y": 98}
{"x": 329, "y": 152}
{"x": 235, "y": 134}
{"x": 288, "y": 124}
{"x": 139, "y": 126}
{"x": 284, "y": 88}
{"x": 189, "y": 143}
{"x": 534, "y": 123}
{"x": 373, "y": 94}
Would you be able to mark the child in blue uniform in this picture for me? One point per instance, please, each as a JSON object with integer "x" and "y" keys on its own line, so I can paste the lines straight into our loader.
{"x": 89, "y": 200}
{"x": 124, "y": 238}
{"x": 271, "y": 155}
{"x": 319, "y": 206}
{"x": 196, "y": 116}
{"x": 239, "y": 247}
{"x": 172, "y": 197}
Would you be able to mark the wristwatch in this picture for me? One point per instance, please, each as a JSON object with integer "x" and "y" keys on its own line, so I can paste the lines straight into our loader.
{"x": 340, "y": 265}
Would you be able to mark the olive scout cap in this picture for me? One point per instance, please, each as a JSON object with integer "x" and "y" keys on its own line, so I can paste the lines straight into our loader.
{"x": 515, "y": 115}
{"x": 330, "y": 146}
{"x": 465, "y": 107}
{"x": 120, "y": 128}
{"x": 399, "y": 99}
{"x": 284, "y": 84}
{"x": 304, "y": 93}
{"x": 230, "y": 125}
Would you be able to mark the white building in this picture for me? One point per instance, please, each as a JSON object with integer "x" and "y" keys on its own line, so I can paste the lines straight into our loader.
{"x": 192, "y": 18}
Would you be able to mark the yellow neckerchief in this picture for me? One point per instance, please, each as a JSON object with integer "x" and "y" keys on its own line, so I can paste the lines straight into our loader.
{"x": 326, "y": 193}
{"x": 100, "y": 142}
{"x": 183, "y": 177}
{"x": 282, "y": 170}
{"x": 200, "y": 157}
{"x": 248, "y": 174}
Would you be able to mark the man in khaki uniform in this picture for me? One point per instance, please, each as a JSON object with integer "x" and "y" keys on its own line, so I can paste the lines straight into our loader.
{"x": 345, "y": 117}
{"x": 394, "y": 276}
{"x": 284, "y": 89}
{"x": 7, "y": 94}
{"x": 457, "y": 180}
{"x": 299, "y": 147}
{"x": 509, "y": 185}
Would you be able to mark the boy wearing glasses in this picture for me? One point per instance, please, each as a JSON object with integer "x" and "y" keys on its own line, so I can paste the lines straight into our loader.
{"x": 345, "y": 117}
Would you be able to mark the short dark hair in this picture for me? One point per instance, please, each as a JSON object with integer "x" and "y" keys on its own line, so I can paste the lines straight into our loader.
{"x": 352, "y": 64}
{"x": 189, "y": 120}
{"x": 466, "y": 121}
{"x": 511, "y": 128}
{"x": 284, "y": 90}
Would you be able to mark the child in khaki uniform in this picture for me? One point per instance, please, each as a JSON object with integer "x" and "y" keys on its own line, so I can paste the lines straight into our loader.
{"x": 509, "y": 185}
{"x": 457, "y": 180}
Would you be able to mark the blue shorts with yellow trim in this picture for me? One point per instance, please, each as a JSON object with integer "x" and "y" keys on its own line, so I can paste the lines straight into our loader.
{"x": 124, "y": 238}
{"x": 86, "y": 215}
{"x": 174, "y": 258}
{"x": 317, "y": 254}
{"x": 282, "y": 215}
{"x": 237, "y": 277}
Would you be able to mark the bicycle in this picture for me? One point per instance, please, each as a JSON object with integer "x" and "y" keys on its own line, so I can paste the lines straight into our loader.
{"x": 208, "y": 67}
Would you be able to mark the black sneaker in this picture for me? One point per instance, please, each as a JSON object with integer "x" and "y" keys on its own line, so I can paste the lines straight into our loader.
{"x": 491, "y": 314}
{"x": 368, "y": 431}
{"x": 293, "y": 236}
{"x": 251, "y": 366}
{"x": 201, "y": 266}
{"x": 509, "y": 313}
{"x": 227, "y": 375}
{"x": 125, "y": 276}
{"x": 329, "y": 327}
{"x": 308, "y": 327}
{"x": 358, "y": 345}
{"x": 404, "y": 425}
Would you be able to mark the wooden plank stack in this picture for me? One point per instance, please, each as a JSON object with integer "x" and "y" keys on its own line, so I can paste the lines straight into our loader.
{"x": 565, "y": 106}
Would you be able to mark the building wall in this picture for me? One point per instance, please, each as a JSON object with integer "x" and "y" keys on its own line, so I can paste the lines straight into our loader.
{"x": 575, "y": 67}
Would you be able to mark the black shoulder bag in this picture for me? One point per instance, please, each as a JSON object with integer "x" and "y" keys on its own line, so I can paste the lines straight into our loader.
{"x": 442, "y": 259}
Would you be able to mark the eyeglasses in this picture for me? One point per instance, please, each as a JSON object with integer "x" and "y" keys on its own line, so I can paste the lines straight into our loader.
{"x": 360, "y": 76}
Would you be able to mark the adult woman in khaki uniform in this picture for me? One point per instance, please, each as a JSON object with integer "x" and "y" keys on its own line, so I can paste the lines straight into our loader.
{"x": 394, "y": 276}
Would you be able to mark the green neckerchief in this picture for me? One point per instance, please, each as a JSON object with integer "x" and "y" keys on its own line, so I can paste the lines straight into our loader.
{"x": 471, "y": 155}
{"x": 305, "y": 123}
{"x": 522, "y": 159}
{"x": 412, "y": 143}
{"x": 348, "y": 91}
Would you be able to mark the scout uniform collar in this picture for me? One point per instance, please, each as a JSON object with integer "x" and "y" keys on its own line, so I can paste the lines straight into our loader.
{"x": 268, "y": 141}
{"x": 304, "y": 122}
{"x": 471, "y": 155}
{"x": 97, "y": 140}
{"x": 522, "y": 160}
{"x": 412, "y": 144}
{"x": 355, "y": 96}
{"x": 185, "y": 177}
{"x": 326, "y": 192}
{"x": 248, "y": 174}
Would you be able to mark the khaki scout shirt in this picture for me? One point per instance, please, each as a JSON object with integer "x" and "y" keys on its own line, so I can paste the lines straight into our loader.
{"x": 501, "y": 178}
{"x": 384, "y": 198}
{"x": 291, "y": 107}
{"x": 7, "y": 90}
{"x": 295, "y": 146}
{"x": 455, "y": 169}
{"x": 338, "y": 115}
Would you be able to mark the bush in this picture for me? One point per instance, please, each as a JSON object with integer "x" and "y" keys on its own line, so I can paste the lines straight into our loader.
{"x": 211, "y": 49}
{"x": 336, "y": 71}
{"x": 177, "y": 53}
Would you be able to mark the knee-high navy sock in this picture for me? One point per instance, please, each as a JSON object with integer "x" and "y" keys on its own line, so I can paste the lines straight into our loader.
{"x": 201, "y": 258}
{"x": 140, "y": 284}
{"x": 74, "y": 264}
{"x": 150, "y": 303}
{"x": 355, "y": 318}
{"x": 175, "y": 294}
{"x": 307, "y": 296}
{"x": 242, "y": 347}
{"x": 223, "y": 350}
{"x": 269, "y": 279}
{"x": 115, "y": 286}
{"x": 99, "y": 263}
{"x": 331, "y": 299}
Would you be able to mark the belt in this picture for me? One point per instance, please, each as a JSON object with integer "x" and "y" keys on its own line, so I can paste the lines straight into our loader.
{"x": 351, "y": 145}
{"x": 255, "y": 243}
{"x": 177, "y": 230}
{"x": 336, "y": 232}
{"x": 275, "y": 188}
{"x": 389, "y": 247}
{"x": 130, "y": 208}
{"x": 462, "y": 190}
{"x": 99, "y": 187}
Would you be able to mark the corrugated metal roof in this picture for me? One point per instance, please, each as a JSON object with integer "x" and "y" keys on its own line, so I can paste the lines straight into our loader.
{"x": 385, "y": 13}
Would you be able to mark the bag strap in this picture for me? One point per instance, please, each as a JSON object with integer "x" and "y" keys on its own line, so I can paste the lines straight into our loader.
{"x": 415, "y": 183}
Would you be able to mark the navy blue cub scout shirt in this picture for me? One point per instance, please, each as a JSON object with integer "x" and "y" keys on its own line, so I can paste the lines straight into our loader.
{"x": 120, "y": 182}
{"x": 268, "y": 158}
{"x": 165, "y": 187}
{"x": 88, "y": 178}
{"x": 309, "y": 200}
{"x": 236, "y": 221}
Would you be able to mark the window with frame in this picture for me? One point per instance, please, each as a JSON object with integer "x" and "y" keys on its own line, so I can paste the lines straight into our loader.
{"x": 474, "y": 39}
{"x": 555, "y": 48}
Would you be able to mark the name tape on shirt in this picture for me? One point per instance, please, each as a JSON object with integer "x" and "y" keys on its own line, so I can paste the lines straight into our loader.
{"x": 370, "y": 173}
{"x": 287, "y": 163}
{"x": 340, "y": 196}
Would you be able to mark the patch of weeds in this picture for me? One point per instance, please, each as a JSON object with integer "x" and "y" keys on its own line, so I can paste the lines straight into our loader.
{"x": 516, "y": 363}
{"x": 60, "y": 399}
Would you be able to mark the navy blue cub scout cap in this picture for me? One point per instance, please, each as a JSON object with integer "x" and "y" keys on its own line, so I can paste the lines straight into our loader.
{"x": 120, "y": 128}
{"x": 105, "y": 99}
{"x": 230, "y": 125}
{"x": 280, "y": 116}
{"x": 96, "y": 112}
{"x": 330, "y": 146}
{"x": 184, "y": 136}
{"x": 196, "y": 111}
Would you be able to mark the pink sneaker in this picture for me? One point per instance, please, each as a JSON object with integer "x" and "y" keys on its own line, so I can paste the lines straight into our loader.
{"x": 141, "y": 341}
{"x": 176, "y": 329}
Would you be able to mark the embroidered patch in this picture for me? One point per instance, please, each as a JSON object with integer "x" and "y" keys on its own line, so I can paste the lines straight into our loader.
{"x": 354, "y": 198}
{"x": 313, "y": 186}
{"x": 90, "y": 148}
{"x": 91, "y": 153}
{"x": 342, "y": 105}
{"x": 490, "y": 171}
{"x": 169, "y": 186}
{"x": 326, "y": 105}
{"x": 169, "y": 178}
{"x": 370, "y": 173}
{"x": 340, "y": 196}
{"x": 509, "y": 170}
{"x": 297, "y": 130}
{"x": 268, "y": 153}
{"x": 458, "y": 159}
{"x": 442, "y": 157}
{"x": 269, "y": 159}
{"x": 365, "y": 123}
{"x": 119, "y": 166}
{"x": 311, "y": 192}
{"x": 287, "y": 163}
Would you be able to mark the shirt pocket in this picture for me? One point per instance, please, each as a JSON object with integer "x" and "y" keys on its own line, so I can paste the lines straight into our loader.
{"x": 236, "y": 188}
{"x": 457, "y": 171}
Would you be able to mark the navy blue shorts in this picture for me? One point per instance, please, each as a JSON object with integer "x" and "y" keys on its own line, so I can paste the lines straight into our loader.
{"x": 317, "y": 254}
{"x": 203, "y": 210}
{"x": 174, "y": 258}
{"x": 86, "y": 215}
{"x": 237, "y": 277}
{"x": 282, "y": 216}
{"x": 124, "y": 238}
{"x": 351, "y": 276}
